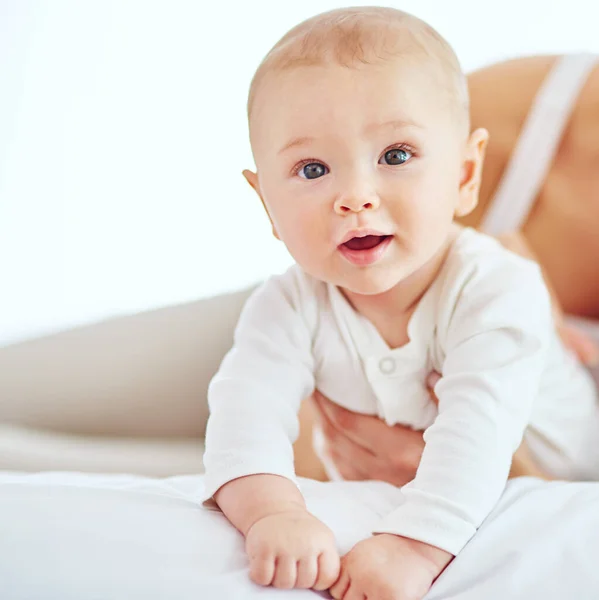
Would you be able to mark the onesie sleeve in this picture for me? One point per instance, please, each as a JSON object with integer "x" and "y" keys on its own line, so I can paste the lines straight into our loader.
{"x": 254, "y": 398}
{"x": 494, "y": 344}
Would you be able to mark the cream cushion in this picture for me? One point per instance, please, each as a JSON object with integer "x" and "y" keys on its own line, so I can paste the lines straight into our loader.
{"x": 125, "y": 395}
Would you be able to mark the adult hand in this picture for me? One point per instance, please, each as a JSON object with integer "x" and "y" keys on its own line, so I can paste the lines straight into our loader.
{"x": 365, "y": 447}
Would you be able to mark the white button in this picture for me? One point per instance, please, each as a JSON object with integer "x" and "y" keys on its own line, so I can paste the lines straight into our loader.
{"x": 387, "y": 365}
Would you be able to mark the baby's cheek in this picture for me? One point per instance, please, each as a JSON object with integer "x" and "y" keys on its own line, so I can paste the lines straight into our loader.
{"x": 434, "y": 211}
{"x": 306, "y": 227}
{"x": 308, "y": 242}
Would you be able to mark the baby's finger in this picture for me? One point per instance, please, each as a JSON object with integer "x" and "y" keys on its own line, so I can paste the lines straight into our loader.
{"x": 262, "y": 570}
{"x": 354, "y": 593}
{"x": 329, "y": 566}
{"x": 285, "y": 573}
{"x": 307, "y": 572}
{"x": 339, "y": 588}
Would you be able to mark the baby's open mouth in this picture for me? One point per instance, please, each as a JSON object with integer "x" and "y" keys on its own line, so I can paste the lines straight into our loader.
{"x": 365, "y": 250}
{"x": 365, "y": 243}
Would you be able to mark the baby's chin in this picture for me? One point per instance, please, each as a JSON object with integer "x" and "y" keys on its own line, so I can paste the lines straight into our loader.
{"x": 369, "y": 281}
{"x": 367, "y": 284}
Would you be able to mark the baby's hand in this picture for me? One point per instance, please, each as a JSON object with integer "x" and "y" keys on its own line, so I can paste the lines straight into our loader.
{"x": 292, "y": 549}
{"x": 389, "y": 566}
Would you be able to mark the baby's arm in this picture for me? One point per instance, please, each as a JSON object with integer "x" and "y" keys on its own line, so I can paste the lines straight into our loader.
{"x": 255, "y": 397}
{"x": 495, "y": 340}
{"x": 254, "y": 400}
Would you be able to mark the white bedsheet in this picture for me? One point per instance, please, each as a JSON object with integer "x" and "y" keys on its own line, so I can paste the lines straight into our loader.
{"x": 69, "y": 536}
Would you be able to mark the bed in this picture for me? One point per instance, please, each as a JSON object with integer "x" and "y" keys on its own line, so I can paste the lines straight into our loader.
{"x": 75, "y": 536}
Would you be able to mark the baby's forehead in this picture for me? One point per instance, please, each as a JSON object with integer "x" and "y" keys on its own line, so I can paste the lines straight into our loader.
{"x": 309, "y": 101}
{"x": 319, "y": 85}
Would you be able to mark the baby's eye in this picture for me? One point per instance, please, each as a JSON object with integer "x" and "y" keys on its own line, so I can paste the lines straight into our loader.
{"x": 312, "y": 170}
{"x": 395, "y": 156}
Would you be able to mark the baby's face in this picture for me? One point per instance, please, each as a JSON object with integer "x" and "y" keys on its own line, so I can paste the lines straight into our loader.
{"x": 359, "y": 169}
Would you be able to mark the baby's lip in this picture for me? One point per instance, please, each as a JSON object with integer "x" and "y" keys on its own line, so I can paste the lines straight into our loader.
{"x": 358, "y": 233}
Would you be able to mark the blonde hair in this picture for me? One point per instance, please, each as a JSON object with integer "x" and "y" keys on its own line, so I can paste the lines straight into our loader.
{"x": 352, "y": 37}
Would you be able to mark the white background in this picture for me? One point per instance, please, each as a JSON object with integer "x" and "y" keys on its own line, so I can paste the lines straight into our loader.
{"x": 123, "y": 136}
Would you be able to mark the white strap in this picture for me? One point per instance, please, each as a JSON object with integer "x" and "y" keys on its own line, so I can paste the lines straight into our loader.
{"x": 538, "y": 142}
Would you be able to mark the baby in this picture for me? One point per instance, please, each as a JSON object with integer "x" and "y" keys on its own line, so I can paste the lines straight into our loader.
{"x": 360, "y": 132}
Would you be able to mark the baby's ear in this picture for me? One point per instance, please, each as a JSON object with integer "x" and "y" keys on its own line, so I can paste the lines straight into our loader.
{"x": 472, "y": 169}
{"x": 252, "y": 179}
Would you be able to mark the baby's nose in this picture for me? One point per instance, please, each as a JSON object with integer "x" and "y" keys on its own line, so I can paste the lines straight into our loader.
{"x": 356, "y": 202}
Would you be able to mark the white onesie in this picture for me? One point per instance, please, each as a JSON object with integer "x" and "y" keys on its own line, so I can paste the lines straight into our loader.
{"x": 484, "y": 324}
